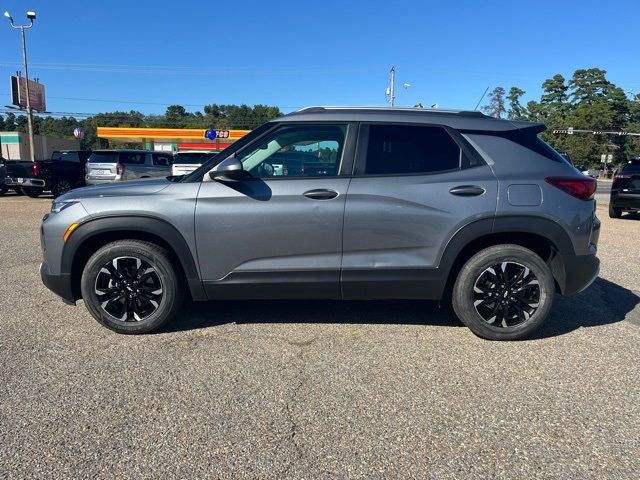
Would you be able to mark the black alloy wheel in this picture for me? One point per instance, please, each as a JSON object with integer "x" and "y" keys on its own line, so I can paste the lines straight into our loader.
{"x": 128, "y": 289}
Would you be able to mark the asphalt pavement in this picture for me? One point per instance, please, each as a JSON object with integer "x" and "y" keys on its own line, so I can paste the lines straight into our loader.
{"x": 294, "y": 389}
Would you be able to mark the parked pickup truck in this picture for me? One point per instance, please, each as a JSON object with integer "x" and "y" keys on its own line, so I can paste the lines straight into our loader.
{"x": 63, "y": 172}
{"x": 14, "y": 173}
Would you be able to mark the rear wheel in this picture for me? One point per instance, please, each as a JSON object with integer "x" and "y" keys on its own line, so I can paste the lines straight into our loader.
{"x": 504, "y": 292}
{"x": 614, "y": 212}
{"x": 3, "y": 190}
{"x": 131, "y": 287}
{"x": 60, "y": 187}
{"x": 31, "y": 191}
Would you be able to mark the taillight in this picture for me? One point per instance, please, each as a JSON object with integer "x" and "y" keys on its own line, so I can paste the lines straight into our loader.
{"x": 582, "y": 188}
{"x": 36, "y": 169}
{"x": 119, "y": 168}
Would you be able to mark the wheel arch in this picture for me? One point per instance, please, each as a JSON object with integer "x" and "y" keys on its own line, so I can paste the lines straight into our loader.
{"x": 95, "y": 233}
{"x": 542, "y": 236}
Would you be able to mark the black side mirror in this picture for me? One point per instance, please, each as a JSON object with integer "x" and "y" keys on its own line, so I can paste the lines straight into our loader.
{"x": 228, "y": 169}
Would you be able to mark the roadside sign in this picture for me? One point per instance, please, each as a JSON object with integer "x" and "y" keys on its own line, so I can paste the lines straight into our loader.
{"x": 36, "y": 94}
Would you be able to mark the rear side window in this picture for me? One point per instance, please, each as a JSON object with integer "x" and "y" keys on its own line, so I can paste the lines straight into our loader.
{"x": 132, "y": 158}
{"x": 406, "y": 149}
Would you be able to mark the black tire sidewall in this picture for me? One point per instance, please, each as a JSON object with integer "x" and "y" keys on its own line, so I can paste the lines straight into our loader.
{"x": 31, "y": 192}
{"x": 614, "y": 212}
{"x": 57, "y": 191}
{"x": 463, "y": 291}
{"x": 155, "y": 256}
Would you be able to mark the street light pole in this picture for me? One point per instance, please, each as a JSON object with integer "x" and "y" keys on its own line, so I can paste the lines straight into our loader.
{"x": 31, "y": 16}
{"x": 392, "y": 87}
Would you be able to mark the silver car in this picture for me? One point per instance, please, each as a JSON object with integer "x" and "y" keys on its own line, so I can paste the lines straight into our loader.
{"x": 107, "y": 166}
{"x": 339, "y": 203}
{"x": 187, "y": 161}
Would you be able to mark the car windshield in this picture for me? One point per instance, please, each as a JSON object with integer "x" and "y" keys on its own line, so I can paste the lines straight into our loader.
{"x": 191, "y": 158}
{"x": 104, "y": 157}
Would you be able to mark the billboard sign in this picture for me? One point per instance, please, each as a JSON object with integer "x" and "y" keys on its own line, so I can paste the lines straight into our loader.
{"x": 36, "y": 94}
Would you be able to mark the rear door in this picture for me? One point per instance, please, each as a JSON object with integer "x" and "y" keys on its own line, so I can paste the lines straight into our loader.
{"x": 414, "y": 187}
{"x": 278, "y": 234}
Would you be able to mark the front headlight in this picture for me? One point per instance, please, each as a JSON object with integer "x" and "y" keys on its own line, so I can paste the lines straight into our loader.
{"x": 58, "y": 206}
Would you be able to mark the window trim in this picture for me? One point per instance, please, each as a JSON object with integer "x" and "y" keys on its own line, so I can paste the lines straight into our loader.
{"x": 360, "y": 163}
{"x": 348, "y": 151}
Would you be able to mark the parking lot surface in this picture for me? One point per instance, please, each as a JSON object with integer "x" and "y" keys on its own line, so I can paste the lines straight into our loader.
{"x": 277, "y": 389}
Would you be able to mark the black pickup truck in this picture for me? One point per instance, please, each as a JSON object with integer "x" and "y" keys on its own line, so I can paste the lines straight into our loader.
{"x": 63, "y": 172}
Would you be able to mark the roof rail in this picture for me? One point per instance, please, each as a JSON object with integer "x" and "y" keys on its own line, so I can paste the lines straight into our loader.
{"x": 318, "y": 109}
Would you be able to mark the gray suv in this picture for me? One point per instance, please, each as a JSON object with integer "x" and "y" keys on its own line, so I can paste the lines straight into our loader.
{"x": 107, "y": 166}
{"x": 339, "y": 203}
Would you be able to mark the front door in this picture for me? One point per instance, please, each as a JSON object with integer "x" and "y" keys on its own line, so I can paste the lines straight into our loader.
{"x": 278, "y": 234}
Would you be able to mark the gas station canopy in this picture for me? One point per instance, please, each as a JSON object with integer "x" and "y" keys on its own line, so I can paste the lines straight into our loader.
{"x": 172, "y": 139}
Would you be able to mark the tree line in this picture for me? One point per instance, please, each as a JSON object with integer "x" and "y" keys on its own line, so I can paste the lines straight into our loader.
{"x": 220, "y": 117}
{"x": 588, "y": 100}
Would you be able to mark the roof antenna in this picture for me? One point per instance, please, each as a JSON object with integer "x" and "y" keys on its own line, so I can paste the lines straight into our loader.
{"x": 478, "y": 104}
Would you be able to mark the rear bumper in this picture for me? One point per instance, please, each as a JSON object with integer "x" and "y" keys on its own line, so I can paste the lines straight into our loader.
{"x": 25, "y": 182}
{"x": 100, "y": 181}
{"x": 580, "y": 271}
{"x": 58, "y": 284}
{"x": 625, "y": 201}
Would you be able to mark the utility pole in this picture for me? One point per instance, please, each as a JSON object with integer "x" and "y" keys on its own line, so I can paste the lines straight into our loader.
{"x": 31, "y": 16}
{"x": 392, "y": 87}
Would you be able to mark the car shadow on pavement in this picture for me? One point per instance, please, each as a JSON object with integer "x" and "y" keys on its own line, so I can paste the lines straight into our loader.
{"x": 602, "y": 303}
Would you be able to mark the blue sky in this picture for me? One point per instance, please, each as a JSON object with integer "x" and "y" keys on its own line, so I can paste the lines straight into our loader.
{"x": 144, "y": 55}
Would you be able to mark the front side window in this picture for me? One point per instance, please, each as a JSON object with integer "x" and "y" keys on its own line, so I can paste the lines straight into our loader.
{"x": 296, "y": 151}
{"x": 406, "y": 149}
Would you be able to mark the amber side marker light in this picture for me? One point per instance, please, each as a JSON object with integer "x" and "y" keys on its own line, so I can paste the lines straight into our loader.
{"x": 69, "y": 231}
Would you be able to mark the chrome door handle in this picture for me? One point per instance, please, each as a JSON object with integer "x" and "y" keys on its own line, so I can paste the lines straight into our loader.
{"x": 321, "y": 194}
{"x": 467, "y": 191}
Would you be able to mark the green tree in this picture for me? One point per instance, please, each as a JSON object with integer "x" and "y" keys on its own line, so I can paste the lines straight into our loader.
{"x": 516, "y": 110}
{"x": 496, "y": 107}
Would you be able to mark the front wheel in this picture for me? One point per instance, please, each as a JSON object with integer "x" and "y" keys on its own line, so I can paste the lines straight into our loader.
{"x": 504, "y": 292}
{"x": 131, "y": 287}
{"x": 31, "y": 191}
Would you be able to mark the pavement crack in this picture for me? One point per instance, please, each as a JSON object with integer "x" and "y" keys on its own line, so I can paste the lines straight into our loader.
{"x": 293, "y": 433}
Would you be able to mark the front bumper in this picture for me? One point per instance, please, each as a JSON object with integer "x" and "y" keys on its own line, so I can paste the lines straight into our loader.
{"x": 24, "y": 182}
{"x": 58, "y": 284}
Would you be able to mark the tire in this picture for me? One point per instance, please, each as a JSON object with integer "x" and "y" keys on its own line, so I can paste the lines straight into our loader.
{"x": 614, "y": 212}
{"x": 60, "y": 187}
{"x": 18, "y": 191}
{"x": 135, "y": 312}
{"x": 31, "y": 191}
{"x": 481, "y": 306}
{"x": 3, "y": 190}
